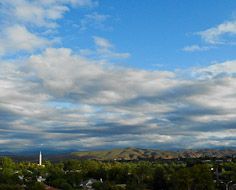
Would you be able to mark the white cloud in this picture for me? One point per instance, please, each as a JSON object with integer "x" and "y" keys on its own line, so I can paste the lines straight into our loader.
{"x": 62, "y": 95}
{"x": 26, "y": 24}
{"x": 102, "y": 42}
{"x": 83, "y": 3}
{"x": 94, "y": 20}
{"x": 58, "y": 96}
{"x": 105, "y": 49}
{"x": 221, "y": 34}
{"x": 195, "y": 48}
{"x": 215, "y": 35}
{"x": 227, "y": 68}
{"x": 62, "y": 74}
{"x": 40, "y": 13}
{"x": 62, "y": 71}
{"x": 18, "y": 38}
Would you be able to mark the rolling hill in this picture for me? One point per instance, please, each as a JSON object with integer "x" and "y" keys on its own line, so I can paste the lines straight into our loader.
{"x": 138, "y": 154}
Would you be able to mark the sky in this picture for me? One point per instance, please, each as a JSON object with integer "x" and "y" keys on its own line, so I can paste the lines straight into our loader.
{"x": 102, "y": 74}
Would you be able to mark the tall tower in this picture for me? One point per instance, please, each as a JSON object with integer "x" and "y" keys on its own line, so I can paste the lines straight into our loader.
{"x": 40, "y": 158}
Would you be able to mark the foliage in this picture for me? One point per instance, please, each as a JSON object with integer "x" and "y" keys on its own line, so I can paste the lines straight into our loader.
{"x": 187, "y": 174}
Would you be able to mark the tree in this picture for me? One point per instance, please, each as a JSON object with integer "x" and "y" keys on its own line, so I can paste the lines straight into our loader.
{"x": 202, "y": 177}
{"x": 37, "y": 186}
{"x": 182, "y": 179}
{"x": 10, "y": 187}
{"x": 160, "y": 181}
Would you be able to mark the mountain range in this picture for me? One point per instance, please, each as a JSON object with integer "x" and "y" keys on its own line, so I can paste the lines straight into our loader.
{"x": 152, "y": 154}
{"x": 123, "y": 154}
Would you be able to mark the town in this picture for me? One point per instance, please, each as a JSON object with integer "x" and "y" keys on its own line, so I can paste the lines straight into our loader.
{"x": 72, "y": 174}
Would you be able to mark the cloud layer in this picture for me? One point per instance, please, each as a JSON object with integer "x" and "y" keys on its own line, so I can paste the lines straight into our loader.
{"x": 60, "y": 98}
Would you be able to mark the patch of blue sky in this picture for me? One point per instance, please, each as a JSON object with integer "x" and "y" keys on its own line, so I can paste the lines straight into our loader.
{"x": 153, "y": 32}
{"x": 62, "y": 105}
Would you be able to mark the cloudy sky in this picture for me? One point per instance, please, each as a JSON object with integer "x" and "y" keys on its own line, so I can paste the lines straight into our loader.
{"x": 101, "y": 74}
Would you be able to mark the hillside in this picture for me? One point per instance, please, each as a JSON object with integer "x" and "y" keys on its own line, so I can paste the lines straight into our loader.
{"x": 136, "y": 154}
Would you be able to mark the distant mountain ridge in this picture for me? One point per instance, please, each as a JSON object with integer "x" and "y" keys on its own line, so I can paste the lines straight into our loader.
{"x": 122, "y": 154}
{"x": 142, "y": 154}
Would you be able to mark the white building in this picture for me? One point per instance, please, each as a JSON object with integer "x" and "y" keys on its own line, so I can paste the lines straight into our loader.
{"x": 40, "y": 158}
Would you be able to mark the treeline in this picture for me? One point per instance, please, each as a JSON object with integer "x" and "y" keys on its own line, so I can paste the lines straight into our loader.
{"x": 143, "y": 175}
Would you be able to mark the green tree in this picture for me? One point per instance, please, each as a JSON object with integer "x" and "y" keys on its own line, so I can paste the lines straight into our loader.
{"x": 202, "y": 177}
{"x": 37, "y": 186}
{"x": 182, "y": 179}
{"x": 160, "y": 181}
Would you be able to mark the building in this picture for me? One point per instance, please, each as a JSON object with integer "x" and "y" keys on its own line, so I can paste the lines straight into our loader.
{"x": 40, "y": 159}
{"x": 89, "y": 183}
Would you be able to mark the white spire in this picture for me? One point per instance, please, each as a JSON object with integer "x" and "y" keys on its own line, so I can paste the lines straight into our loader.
{"x": 40, "y": 158}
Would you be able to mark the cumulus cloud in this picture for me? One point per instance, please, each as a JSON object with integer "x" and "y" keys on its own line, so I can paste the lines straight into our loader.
{"x": 40, "y": 13}
{"x": 24, "y": 23}
{"x": 222, "y": 34}
{"x": 59, "y": 97}
{"x": 215, "y": 34}
{"x": 227, "y": 68}
{"x": 19, "y": 38}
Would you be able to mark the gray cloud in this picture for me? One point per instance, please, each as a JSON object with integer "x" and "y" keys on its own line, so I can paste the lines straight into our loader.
{"x": 61, "y": 99}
